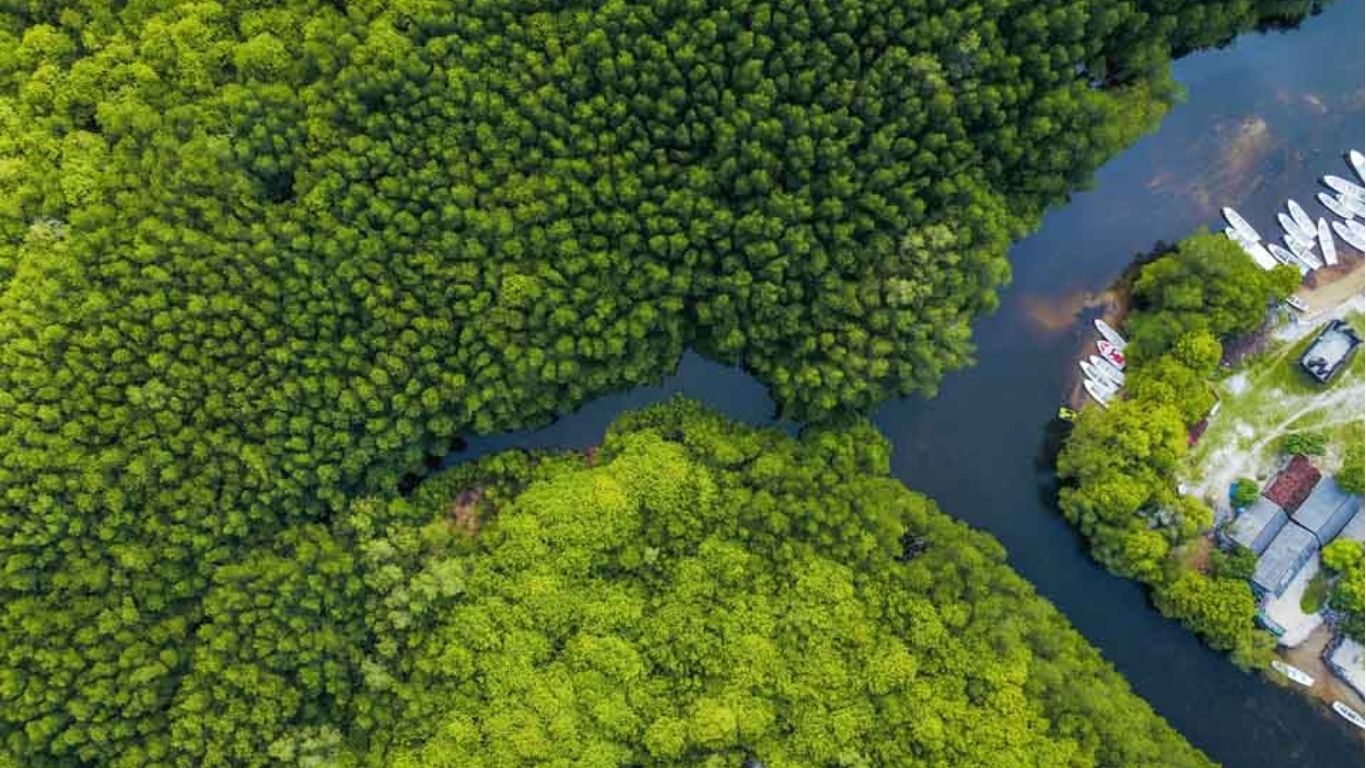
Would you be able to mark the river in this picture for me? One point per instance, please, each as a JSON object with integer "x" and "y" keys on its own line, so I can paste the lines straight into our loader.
{"x": 1266, "y": 116}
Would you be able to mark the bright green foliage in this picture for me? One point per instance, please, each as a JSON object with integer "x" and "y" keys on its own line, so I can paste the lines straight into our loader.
{"x": 1206, "y": 286}
{"x": 258, "y": 258}
{"x": 1118, "y": 465}
{"x": 1222, "y": 610}
{"x": 1344, "y": 557}
{"x": 702, "y": 593}
{"x": 1245, "y": 493}
{"x": 1307, "y": 443}
{"x": 1237, "y": 563}
{"x": 1352, "y": 474}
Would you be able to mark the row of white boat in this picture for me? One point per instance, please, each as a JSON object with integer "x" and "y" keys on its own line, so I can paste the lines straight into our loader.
{"x": 1104, "y": 372}
{"x": 1304, "y": 678}
{"x": 1302, "y": 234}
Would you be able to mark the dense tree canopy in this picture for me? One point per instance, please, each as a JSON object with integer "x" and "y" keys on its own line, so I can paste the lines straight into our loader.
{"x": 1344, "y": 558}
{"x": 694, "y": 594}
{"x": 259, "y": 257}
{"x": 1119, "y": 465}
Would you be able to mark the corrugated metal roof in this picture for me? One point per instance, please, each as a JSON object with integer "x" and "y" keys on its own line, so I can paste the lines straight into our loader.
{"x": 1283, "y": 558}
{"x": 1327, "y": 509}
{"x": 1356, "y": 527}
{"x": 1293, "y": 484}
{"x": 1258, "y": 525}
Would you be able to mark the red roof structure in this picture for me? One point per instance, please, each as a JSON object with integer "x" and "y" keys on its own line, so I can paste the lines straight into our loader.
{"x": 1292, "y": 486}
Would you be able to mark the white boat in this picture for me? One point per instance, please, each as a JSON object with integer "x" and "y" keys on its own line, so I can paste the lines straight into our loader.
{"x": 1351, "y": 236}
{"x": 1111, "y": 352}
{"x": 1304, "y": 253}
{"x": 1240, "y": 224}
{"x": 1292, "y": 227}
{"x": 1343, "y": 186}
{"x": 1331, "y": 203}
{"x": 1288, "y": 258}
{"x": 1355, "y": 206}
{"x": 1296, "y": 304}
{"x": 1358, "y": 162}
{"x": 1297, "y": 241}
{"x": 1110, "y": 334}
{"x": 1088, "y": 368}
{"x": 1326, "y": 244}
{"x": 1097, "y": 394}
{"x": 1300, "y": 216}
{"x": 1350, "y": 715}
{"x": 1294, "y": 673}
{"x": 1236, "y": 236}
{"x": 1259, "y": 254}
{"x": 1107, "y": 369}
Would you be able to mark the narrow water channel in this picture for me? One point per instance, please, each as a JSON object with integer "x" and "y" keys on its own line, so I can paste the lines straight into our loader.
{"x": 1264, "y": 119}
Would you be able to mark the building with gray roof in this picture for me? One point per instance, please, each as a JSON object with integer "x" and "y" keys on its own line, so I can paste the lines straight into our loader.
{"x": 1283, "y": 558}
{"x": 1355, "y": 528}
{"x": 1327, "y": 510}
{"x": 1257, "y": 525}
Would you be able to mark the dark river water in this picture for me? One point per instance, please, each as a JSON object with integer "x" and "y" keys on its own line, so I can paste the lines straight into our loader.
{"x": 1264, "y": 119}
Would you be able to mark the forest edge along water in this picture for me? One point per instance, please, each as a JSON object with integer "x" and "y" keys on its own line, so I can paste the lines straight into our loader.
{"x": 1263, "y": 116}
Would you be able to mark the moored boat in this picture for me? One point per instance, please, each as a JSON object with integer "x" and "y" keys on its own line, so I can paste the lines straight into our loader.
{"x": 1358, "y": 162}
{"x": 1350, "y": 715}
{"x": 1288, "y": 258}
{"x": 1295, "y": 303}
{"x": 1351, "y": 234}
{"x": 1240, "y": 224}
{"x": 1110, "y": 334}
{"x": 1356, "y": 206}
{"x": 1107, "y": 369}
{"x": 1259, "y": 254}
{"x": 1294, "y": 673}
{"x": 1292, "y": 227}
{"x": 1343, "y": 186}
{"x": 1326, "y": 244}
{"x": 1098, "y": 394}
{"x": 1304, "y": 252}
{"x": 1300, "y": 216}
{"x": 1111, "y": 352}
{"x": 1331, "y": 203}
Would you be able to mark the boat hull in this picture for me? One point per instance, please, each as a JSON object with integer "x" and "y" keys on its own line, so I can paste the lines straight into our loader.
{"x": 1326, "y": 243}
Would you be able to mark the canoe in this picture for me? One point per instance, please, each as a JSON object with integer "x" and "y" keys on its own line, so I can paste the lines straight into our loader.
{"x": 1097, "y": 393}
{"x": 1350, "y": 715}
{"x": 1304, "y": 253}
{"x": 1103, "y": 386}
{"x": 1110, "y": 334}
{"x": 1240, "y": 224}
{"x": 1107, "y": 369}
{"x": 1092, "y": 374}
{"x": 1259, "y": 254}
{"x": 1288, "y": 258}
{"x": 1111, "y": 352}
{"x": 1300, "y": 216}
{"x": 1236, "y": 236}
{"x": 1331, "y": 203}
{"x": 1349, "y": 235}
{"x": 1292, "y": 227}
{"x": 1296, "y": 304}
{"x": 1326, "y": 244}
{"x": 1294, "y": 673}
{"x": 1358, "y": 162}
{"x": 1355, "y": 206}
{"x": 1343, "y": 186}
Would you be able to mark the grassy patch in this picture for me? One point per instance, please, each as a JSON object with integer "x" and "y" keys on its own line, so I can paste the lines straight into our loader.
{"x": 1266, "y": 399}
{"x": 1314, "y": 594}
